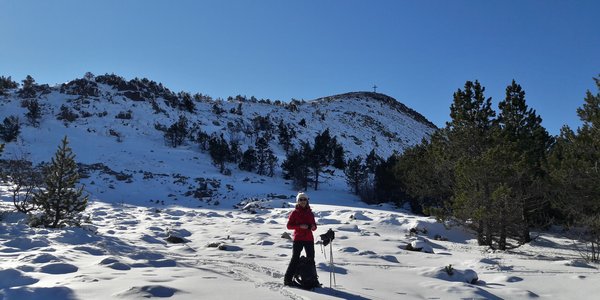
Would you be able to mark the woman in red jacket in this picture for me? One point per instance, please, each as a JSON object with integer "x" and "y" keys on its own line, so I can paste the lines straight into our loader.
{"x": 302, "y": 221}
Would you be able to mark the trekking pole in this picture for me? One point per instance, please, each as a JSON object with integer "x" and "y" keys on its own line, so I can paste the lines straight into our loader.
{"x": 327, "y": 239}
{"x": 332, "y": 266}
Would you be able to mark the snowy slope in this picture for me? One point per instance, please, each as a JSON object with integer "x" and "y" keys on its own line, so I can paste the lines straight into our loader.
{"x": 359, "y": 121}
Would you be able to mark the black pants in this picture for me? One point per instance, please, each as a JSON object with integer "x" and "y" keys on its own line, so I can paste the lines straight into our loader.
{"x": 309, "y": 248}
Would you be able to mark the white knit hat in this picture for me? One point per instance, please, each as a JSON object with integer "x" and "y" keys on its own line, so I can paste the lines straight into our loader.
{"x": 301, "y": 195}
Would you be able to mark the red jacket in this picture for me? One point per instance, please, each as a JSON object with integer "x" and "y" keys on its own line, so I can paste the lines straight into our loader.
{"x": 299, "y": 217}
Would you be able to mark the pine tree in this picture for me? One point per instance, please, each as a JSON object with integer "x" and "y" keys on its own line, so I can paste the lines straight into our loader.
{"x": 28, "y": 89}
{"x": 202, "y": 138}
{"x": 10, "y": 129}
{"x": 356, "y": 173}
{"x": 470, "y": 135}
{"x": 6, "y": 84}
{"x": 34, "y": 112}
{"x": 320, "y": 156}
{"x": 338, "y": 155}
{"x": 286, "y": 134}
{"x": 262, "y": 155}
{"x": 372, "y": 161}
{"x": 187, "y": 103}
{"x": 296, "y": 166}
{"x": 386, "y": 187}
{"x": 575, "y": 171}
{"x": 525, "y": 141}
{"x": 176, "y": 133}
{"x": 60, "y": 201}
{"x": 235, "y": 153}
{"x": 425, "y": 172}
{"x": 219, "y": 151}
{"x": 248, "y": 162}
{"x": 271, "y": 162}
{"x": 302, "y": 123}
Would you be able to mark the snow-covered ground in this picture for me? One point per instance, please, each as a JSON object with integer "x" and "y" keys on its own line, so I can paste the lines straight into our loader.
{"x": 124, "y": 255}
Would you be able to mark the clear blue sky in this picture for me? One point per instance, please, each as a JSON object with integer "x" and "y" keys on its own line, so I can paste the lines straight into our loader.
{"x": 418, "y": 52}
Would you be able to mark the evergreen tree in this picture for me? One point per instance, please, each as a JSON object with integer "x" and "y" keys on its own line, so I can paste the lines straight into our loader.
{"x": 296, "y": 166}
{"x": 302, "y": 123}
{"x": 10, "y": 129}
{"x": 356, "y": 173}
{"x": 60, "y": 201}
{"x": 262, "y": 154}
{"x": 235, "y": 152}
{"x": 34, "y": 112}
{"x": 217, "y": 109}
{"x": 271, "y": 162}
{"x": 187, "y": 103}
{"x": 202, "y": 138}
{"x": 575, "y": 174}
{"x": 6, "y": 84}
{"x": 322, "y": 155}
{"x": 372, "y": 161}
{"x": 66, "y": 115}
{"x": 426, "y": 174}
{"x": 338, "y": 155}
{"x": 286, "y": 134}
{"x": 248, "y": 162}
{"x": 176, "y": 133}
{"x": 28, "y": 89}
{"x": 219, "y": 151}
{"x": 525, "y": 140}
{"x": 386, "y": 187}
{"x": 470, "y": 135}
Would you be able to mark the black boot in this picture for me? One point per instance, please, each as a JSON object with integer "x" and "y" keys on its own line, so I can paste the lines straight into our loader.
{"x": 287, "y": 281}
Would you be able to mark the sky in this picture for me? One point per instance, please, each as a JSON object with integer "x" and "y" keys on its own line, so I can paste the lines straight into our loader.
{"x": 419, "y": 52}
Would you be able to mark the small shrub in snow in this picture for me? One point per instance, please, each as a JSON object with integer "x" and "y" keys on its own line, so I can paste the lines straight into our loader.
{"x": 115, "y": 134}
{"x": 66, "y": 114}
{"x": 449, "y": 270}
{"x": 124, "y": 115}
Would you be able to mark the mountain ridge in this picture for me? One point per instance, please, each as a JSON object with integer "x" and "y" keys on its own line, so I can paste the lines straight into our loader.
{"x": 120, "y": 124}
